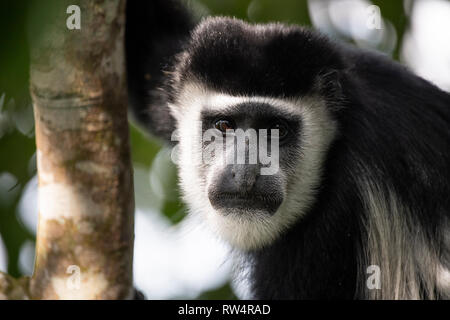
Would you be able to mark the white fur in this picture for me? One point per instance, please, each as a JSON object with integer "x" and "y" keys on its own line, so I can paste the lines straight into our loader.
{"x": 409, "y": 266}
{"x": 257, "y": 229}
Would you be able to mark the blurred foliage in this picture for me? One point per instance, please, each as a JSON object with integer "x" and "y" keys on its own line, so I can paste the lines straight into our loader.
{"x": 394, "y": 12}
{"x": 16, "y": 149}
{"x": 155, "y": 175}
{"x": 222, "y": 293}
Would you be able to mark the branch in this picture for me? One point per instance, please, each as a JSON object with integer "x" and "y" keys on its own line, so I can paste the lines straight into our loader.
{"x": 13, "y": 289}
{"x": 78, "y": 85}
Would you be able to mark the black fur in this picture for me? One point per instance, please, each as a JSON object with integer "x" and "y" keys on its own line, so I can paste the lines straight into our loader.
{"x": 155, "y": 32}
{"x": 235, "y": 57}
{"x": 393, "y": 126}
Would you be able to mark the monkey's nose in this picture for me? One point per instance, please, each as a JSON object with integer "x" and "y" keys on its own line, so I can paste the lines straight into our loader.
{"x": 244, "y": 177}
{"x": 241, "y": 187}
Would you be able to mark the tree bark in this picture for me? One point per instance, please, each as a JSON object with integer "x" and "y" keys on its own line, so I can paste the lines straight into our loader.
{"x": 85, "y": 234}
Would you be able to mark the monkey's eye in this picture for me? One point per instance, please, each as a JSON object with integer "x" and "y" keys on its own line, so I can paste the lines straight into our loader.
{"x": 283, "y": 129}
{"x": 223, "y": 125}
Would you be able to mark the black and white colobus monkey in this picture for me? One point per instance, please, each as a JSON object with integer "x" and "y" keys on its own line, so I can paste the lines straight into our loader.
{"x": 364, "y": 173}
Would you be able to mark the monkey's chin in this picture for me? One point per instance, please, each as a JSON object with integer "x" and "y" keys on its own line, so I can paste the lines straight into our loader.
{"x": 244, "y": 228}
{"x": 244, "y": 212}
{"x": 239, "y": 212}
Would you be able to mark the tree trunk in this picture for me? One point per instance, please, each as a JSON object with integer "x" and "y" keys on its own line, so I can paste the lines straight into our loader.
{"x": 85, "y": 235}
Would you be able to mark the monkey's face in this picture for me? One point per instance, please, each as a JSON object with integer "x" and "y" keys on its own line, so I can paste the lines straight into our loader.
{"x": 243, "y": 145}
{"x": 249, "y": 165}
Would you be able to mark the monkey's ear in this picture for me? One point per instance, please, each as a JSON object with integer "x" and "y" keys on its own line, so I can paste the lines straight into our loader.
{"x": 155, "y": 32}
{"x": 150, "y": 110}
{"x": 330, "y": 86}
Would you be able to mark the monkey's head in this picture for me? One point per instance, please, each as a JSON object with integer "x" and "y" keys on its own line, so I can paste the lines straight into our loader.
{"x": 254, "y": 121}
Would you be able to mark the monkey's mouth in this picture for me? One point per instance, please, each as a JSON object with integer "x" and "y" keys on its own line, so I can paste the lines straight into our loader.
{"x": 245, "y": 203}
